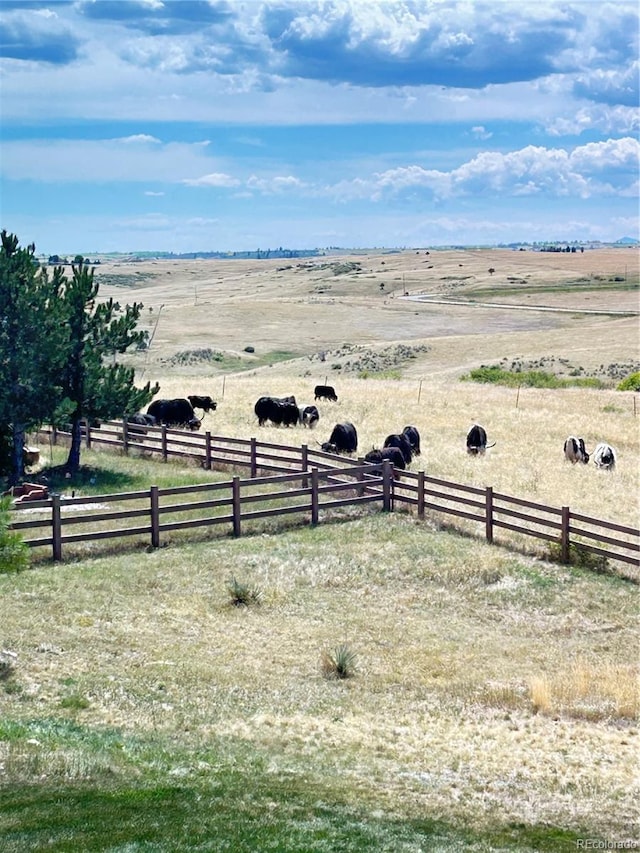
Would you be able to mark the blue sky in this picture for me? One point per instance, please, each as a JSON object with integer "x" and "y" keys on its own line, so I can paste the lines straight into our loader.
{"x": 211, "y": 126}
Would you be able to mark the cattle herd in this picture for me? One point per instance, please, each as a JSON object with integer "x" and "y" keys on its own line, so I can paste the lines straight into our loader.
{"x": 398, "y": 448}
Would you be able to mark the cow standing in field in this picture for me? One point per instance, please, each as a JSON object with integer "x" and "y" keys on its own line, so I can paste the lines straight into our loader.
{"x": 174, "y": 413}
{"x": 402, "y": 443}
{"x": 343, "y": 439}
{"x": 477, "y": 441}
{"x": 414, "y": 439}
{"x": 604, "y": 456}
{"x": 281, "y": 411}
{"x": 325, "y": 392}
{"x": 575, "y": 450}
{"x": 393, "y": 454}
{"x": 309, "y": 415}
{"x": 207, "y": 404}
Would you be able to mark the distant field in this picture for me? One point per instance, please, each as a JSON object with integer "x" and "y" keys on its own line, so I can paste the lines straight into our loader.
{"x": 311, "y": 307}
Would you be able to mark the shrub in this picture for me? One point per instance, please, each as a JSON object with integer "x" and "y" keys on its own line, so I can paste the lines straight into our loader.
{"x": 242, "y": 595}
{"x": 340, "y": 663}
{"x": 630, "y": 382}
{"x": 14, "y": 554}
{"x": 7, "y": 664}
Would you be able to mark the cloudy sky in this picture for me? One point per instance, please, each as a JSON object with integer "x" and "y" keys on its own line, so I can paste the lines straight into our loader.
{"x": 199, "y": 125}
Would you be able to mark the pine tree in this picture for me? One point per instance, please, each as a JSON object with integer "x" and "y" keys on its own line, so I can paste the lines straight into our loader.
{"x": 94, "y": 388}
{"x": 33, "y": 344}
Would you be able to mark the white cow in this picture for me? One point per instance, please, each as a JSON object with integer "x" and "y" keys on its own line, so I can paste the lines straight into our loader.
{"x": 604, "y": 456}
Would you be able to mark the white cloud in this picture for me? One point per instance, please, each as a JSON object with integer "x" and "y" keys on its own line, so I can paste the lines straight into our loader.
{"x": 608, "y": 168}
{"x": 275, "y": 184}
{"x": 142, "y": 138}
{"x": 481, "y": 132}
{"x": 215, "y": 179}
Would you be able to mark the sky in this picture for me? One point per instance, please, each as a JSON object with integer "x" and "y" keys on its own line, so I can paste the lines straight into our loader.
{"x": 198, "y": 125}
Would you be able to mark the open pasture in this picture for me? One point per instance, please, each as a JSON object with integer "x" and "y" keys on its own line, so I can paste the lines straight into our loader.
{"x": 308, "y": 307}
{"x": 494, "y": 704}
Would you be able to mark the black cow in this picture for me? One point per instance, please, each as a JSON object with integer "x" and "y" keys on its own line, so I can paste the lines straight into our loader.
{"x": 343, "y": 439}
{"x": 174, "y": 413}
{"x": 393, "y": 454}
{"x": 403, "y": 444}
{"x": 575, "y": 451}
{"x": 138, "y": 423}
{"x": 414, "y": 439}
{"x": 309, "y": 416}
{"x": 325, "y": 392}
{"x": 279, "y": 410}
{"x": 477, "y": 440}
{"x": 207, "y": 404}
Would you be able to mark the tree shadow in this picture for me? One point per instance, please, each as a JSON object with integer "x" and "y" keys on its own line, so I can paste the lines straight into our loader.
{"x": 91, "y": 479}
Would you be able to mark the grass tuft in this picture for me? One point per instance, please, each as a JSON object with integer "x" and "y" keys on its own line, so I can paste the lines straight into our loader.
{"x": 339, "y": 663}
{"x": 242, "y": 594}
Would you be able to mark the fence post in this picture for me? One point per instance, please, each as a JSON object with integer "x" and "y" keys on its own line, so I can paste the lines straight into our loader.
{"x": 125, "y": 436}
{"x": 387, "y": 486}
{"x": 489, "y": 513}
{"x": 304, "y": 462}
{"x": 361, "y": 478}
{"x": 254, "y": 459}
{"x": 314, "y": 496}
{"x": 56, "y": 527}
{"x": 164, "y": 443}
{"x": 235, "y": 497}
{"x": 420, "y": 494}
{"x": 88, "y": 434}
{"x": 155, "y": 517}
{"x": 54, "y": 436}
{"x": 565, "y": 555}
{"x": 207, "y": 450}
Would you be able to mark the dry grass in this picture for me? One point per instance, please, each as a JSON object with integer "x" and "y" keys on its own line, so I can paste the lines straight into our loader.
{"x": 442, "y": 717}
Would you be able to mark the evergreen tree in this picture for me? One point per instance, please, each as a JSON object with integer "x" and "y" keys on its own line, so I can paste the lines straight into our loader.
{"x": 33, "y": 344}
{"x": 94, "y": 388}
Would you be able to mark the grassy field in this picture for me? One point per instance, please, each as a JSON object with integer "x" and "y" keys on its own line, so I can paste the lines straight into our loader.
{"x": 494, "y": 699}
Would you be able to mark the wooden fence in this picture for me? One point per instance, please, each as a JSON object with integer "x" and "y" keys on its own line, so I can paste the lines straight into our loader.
{"x": 306, "y": 481}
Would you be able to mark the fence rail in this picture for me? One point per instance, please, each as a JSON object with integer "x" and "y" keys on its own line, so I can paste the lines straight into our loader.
{"x": 288, "y": 480}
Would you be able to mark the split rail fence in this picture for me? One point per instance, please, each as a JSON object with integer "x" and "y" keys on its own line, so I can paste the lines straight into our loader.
{"x": 286, "y": 480}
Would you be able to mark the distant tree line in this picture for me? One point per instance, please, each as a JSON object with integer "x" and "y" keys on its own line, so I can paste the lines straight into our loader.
{"x": 56, "y": 260}
{"x": 58, "y": 348}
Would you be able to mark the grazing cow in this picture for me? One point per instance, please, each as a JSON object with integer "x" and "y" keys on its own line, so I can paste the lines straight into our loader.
{"x": 279, "y": 410}
{"x": 309, "y": 416}
{"x": 138, "y": 423}
{"x": 325, "y": 392}
{"x": 207, "y": 404}
{"x": 393, "y": 454}
{"x": 343, "y": 439}
{"x": 414, "y": 439}
{"x": 604, "y": 456}
{"x": 477, "y": 440}
{"x": 174, "y": 413}
{"x": 403, "y": 444}
{"x": 575, "y": 451}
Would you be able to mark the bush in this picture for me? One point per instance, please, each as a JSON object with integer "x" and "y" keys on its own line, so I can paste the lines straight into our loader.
{"x": 340, "y": 663}
{"x": 14, "y": 554}
{"x": 242, "y": 595}
{"x": 630, "y": 382}
{"x": 529, "y": 378}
